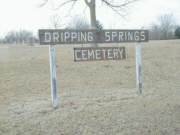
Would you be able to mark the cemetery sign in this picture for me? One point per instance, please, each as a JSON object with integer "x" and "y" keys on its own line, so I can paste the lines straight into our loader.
{"x": 99, "y": 53}
{"x": 65, "y": 36}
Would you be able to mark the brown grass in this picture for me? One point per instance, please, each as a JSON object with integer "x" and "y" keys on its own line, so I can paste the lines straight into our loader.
{"x": 95, "y": 97}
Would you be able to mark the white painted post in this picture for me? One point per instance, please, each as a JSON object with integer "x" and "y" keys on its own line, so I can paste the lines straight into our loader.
{"x": 52, "y": 61}
{"x": 139, "y": 78}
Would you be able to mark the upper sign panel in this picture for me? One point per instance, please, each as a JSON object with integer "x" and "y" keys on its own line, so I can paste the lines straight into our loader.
{"x": 64, "y": 36}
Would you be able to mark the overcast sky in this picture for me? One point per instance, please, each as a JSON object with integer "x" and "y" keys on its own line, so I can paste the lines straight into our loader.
{"x": 25, "y": 14}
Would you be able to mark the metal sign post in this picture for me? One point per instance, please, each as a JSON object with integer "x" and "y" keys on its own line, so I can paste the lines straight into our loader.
{"x": 52, "y": 61}
{"x": 139, "y": 80}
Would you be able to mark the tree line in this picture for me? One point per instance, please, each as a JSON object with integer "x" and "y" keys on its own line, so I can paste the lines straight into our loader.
{"x": 163, "y": 29}
{"x": 28, "y": 38}
{"x": 19, "y": 37}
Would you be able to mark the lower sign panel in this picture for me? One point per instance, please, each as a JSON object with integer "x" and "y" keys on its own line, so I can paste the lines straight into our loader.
{"x": 99, "y": 53}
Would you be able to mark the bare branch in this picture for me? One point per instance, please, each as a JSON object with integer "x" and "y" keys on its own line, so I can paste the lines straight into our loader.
{"x": 118, "y": 6}
{"x": 117, "y": 12}
{"x": 89, "y": 3}
{"x": 72, "y": 6}
{"x": 43, "y": 3}
{"x": 64, "y": 3}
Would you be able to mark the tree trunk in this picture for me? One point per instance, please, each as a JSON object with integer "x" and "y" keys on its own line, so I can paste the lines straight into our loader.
{"x": 93, "y": 14}
{"x": 92, "y": 7}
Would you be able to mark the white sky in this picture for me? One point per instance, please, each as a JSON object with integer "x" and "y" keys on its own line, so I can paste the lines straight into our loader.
{"x": 25, "y": 14}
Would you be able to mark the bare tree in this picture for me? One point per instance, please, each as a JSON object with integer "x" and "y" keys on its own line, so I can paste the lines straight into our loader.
{"x": 164, "y": 28}
{"x": 20, "y": 37}
{"x": 177, "y": 32}
{"x": 55, "y": 21}
{"x": 116, "y": 5}
{"x": 155, "y": 32}
{"x": 78, "y": 23}
{"x": 166, "y": 23}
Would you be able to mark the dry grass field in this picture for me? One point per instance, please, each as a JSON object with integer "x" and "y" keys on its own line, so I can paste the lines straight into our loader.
{"x": 96, "y": 98}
